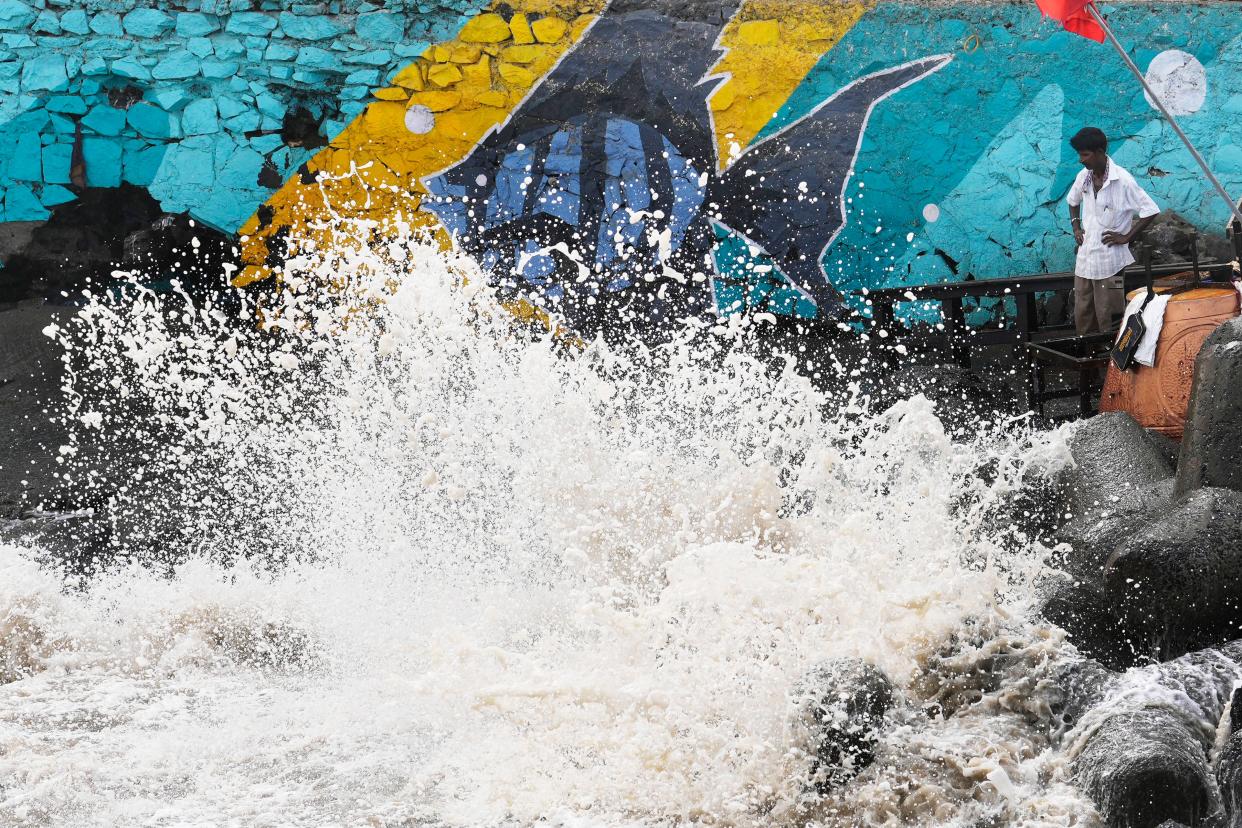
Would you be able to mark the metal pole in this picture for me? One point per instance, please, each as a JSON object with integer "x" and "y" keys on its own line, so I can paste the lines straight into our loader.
{"x": 1099, "y": 18}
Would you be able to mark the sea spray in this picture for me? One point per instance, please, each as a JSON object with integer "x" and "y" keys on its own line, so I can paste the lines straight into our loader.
{"x": 387, "y": 559}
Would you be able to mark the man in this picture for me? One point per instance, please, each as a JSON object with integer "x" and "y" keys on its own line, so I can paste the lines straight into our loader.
{"x": 1103, "y": 203}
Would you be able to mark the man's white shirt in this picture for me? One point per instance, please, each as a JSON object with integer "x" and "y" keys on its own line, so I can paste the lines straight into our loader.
{"x": 1112, "y": 208}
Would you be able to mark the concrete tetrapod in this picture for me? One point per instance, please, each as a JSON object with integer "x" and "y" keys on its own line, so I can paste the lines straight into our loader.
{"x": 1211, "y": 449}
{"x": 1142, "y": 752}
{"x": 1178, "y": 579}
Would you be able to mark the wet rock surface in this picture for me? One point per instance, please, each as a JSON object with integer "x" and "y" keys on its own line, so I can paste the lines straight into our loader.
{"x": 1179, "y": 578}
{"x": 840, "y": 707}
{"x": 1229, "y": 766}
{"x": 1143, "y": 751}
{"x": 1113, "y": 455}
{"x": 1212, "y": 447}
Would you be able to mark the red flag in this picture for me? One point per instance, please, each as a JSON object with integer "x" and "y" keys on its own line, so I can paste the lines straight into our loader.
{"x": 1072, "y": 14}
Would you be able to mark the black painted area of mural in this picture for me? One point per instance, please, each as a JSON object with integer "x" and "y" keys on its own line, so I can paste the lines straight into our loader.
{"x": 643, "y": 66}
{"x": 110, "y": 229}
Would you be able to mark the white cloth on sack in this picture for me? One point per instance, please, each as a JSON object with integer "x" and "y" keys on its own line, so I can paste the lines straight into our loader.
{"x": 1153, "y": 318}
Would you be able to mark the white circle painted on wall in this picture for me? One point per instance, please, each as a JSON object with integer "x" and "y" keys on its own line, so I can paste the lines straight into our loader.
{"x": 419, "y": 119}
{"x": 1179, "y": 79}
{"x": 931, "y": 212}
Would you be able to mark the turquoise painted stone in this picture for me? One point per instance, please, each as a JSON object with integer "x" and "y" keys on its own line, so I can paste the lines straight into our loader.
{"x": 193, "y": 24}
{"x": 20, "y": 204}
{"x": 47, "y": 23}
{"x": 229, "y": 107}
{"x": 44, "y": 72}
{"x": 378, "y": 57}
{"x": 60, "y": 126}
{"x": 56, "y": 161}
{"x": 130, "y": 68}
{"x": 215, "y": 69}
{"x": 309, "y": 28}
{"x": 380, "y": 27}
{"x": 150, "y": 121}
{"x": 266, "y": 143}
{"x": 54, "y": 194}
{"x": 75, "y": 21}
{"x": 103, "y": 161}
{"x": 108, "y": 47}
{"x": 27, "y": 162}
{"x": 168, "y": 98}
{"x": 177, "y": 65}
{"x": 354, "y": 93}
{"x": 189, "y": 163}
{"x": 228, "y": 46}
{"x": 105, "y": 120}
{"x": 312, "y": 57}
{"x": 199, "y": 46}
{"x": 243, "y": 123}
{"x": 280, "y": 51}
{"x": 141, "y": 162}
{"x": 89, "y": 87}
{"x": 367, "y": 77}
{"x": 250, "y": 23}
{"x": 241, "y": 171}
{"x": 15, "y": 15}
{"x": 309, "y": 77}
{"x": 147, "y": 23}
{"x": 269, "y": 104}
{"x": 107, "y": 24}
{"x": 200, "y": 118}
{"x": 67, "y": 104}
{"x": 16, "y": 41}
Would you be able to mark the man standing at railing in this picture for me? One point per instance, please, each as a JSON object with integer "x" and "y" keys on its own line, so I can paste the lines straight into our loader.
{"x": 1103, "y": 202}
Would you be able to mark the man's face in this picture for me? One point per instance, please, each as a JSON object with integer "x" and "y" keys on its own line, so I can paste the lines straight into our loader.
{"x": 1091, "y": 158}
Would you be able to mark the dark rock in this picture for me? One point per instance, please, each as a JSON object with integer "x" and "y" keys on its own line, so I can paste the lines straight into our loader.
{"x": 1211, "y": 448}
{"x": 840, "y": 707}
{"x": 1095, "y": 534}
{"x": 1178, "y": 580}
{"x": 1144, "y": 760}
{"x": 1143, "y": 767}
{"x": 1229, "y": 767}
{"x": 1081, "y": 684}
{"x": 1113, "y": 454}
{"x": 1083, "y": 609}
{"x": 1171, "y": 238}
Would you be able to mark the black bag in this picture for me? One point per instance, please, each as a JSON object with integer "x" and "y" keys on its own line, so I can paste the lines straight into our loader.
{"x": 1135, "y": 329}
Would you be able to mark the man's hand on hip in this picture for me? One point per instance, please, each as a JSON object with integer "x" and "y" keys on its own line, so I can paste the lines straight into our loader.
{"x": 1112, "y": 238}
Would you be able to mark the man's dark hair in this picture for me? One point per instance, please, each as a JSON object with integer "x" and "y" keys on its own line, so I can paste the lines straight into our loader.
{"x": 1090, "y": 139}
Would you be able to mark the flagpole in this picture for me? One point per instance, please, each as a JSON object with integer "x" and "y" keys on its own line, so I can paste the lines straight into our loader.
{"x": 1099, "y": 18}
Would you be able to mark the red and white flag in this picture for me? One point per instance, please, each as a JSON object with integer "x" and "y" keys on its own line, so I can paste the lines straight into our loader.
{"x": 1072, "y": 14}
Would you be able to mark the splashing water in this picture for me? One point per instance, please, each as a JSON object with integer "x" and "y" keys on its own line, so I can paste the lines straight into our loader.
{"x": 391, "y": 561}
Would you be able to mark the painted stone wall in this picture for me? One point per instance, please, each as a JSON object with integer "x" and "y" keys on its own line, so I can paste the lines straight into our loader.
{"x": 645, "y": 159}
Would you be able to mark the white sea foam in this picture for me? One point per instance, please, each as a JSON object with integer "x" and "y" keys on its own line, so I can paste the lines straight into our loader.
{"x": 427, "y": 570}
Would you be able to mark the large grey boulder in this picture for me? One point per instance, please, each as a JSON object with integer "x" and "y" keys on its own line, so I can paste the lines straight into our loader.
{"x": 1212, "y": 446}
{"x": 1178, "y": 580}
